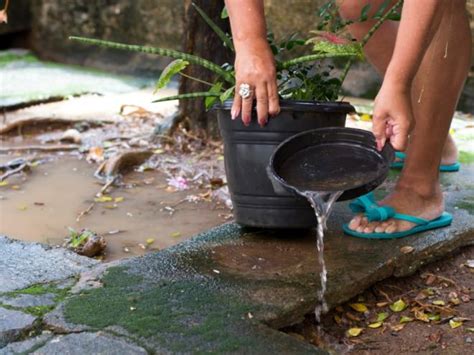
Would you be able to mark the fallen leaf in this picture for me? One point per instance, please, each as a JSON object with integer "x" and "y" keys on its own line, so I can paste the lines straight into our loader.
{"x": 398, "y": 306}
{"x": 176, "y": 234}
{"x": 405, "y": 319}
{"x": 375, "y": 325}
{"x": 453, "y": 324}
{"x": 110, "y": 207}
{"x": 119, "y": 199}
{"x": 359, "y": 307}
{"x": 141, "y": 246}
{"x": 382, "y": 316}
{"x": 455, "y": 301}
{"x": 397, "y": 327}
{"x": 22, "y": 207}
{"x": 354, "y": 332}
{"x": 337, "y": 319}
{"x": 439, "y": 303}
{"x": 381, "y": 304}
{"x": 435, "y": 337}
{"x": 220, "y": 158}
{"x": 3, "y": 183}
{"x": 150, "y": 241}
{"x": 103, "y": 199}
{"x": 159, "y": 151}
{"x": 95, "y": 155}
{"x": 353, "y": 317}
{"x": 434, "y": 317}
{"x": 470, "y": 330}
{"x": 422, "y": 316}
{"x": 365, "y": 117}
{"x": 430, "y": 279}
{"x": 15, "y": 187}
{"x": 407, "y": 249}
{"x": 470, "y": 264}
{"x": 216, "y": 271}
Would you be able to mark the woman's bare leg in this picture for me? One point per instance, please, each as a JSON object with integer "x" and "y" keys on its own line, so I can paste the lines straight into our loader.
{"x": 440, "y": 77}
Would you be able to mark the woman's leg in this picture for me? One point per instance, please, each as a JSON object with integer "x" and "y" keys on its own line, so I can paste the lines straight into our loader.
{"x": 435, "y": 94}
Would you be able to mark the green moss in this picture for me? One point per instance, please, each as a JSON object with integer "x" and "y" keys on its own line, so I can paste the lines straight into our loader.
{"x": 38, "y": 311}
{"x": 6, "y": 58}
{"x": 177, "y": 314}
{"x": 466, "y": 157}
{"x": 38, "y": 289}
{"x": 466, "y": 204}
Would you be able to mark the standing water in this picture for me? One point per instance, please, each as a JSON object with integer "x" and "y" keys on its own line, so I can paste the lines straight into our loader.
{"x": 322, "y": 203}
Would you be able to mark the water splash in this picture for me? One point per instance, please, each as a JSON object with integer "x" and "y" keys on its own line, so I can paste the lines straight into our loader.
{"x": 322, "y": 203}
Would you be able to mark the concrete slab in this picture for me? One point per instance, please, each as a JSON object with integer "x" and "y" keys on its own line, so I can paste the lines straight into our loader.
{"x": 14, "y": 324}
{"x": 25, "y": 264}
{"x": 25, "y": 79}
{"x": 229, "y": 288}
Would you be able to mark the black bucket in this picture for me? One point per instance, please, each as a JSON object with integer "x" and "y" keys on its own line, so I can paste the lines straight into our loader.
{"x": 330, "y": 159}
{"x": 248, "y": 151}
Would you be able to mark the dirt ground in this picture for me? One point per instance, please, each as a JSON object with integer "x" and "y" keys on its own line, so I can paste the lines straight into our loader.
{"x": 439, "y": 314}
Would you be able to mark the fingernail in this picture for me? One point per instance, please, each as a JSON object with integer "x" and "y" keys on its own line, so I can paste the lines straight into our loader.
{"x": 233, "y": 114}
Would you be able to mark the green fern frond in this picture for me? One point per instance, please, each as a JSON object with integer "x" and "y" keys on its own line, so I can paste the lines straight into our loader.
{"x": 192, "y": 95}
{"x": 160, "y": 51}
{"x": 312, "y": 58}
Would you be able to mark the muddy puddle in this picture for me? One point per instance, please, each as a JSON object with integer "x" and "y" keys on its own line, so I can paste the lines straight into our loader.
{"x": 41, "y": 205}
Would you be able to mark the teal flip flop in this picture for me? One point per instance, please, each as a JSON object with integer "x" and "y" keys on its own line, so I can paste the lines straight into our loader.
{"x": 448, "y": 168}
{"x": 367, "y": 205}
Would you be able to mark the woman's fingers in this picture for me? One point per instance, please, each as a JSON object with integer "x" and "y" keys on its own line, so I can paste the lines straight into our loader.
{"x": 379, "y": 129}
{"x": 273, "y": 100}
{"x": 262, "y": 104}
{"x": 247, "y": 104}
{"x": 236, "y": 105}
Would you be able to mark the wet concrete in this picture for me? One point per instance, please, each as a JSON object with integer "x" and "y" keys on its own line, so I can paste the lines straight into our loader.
{"x": 229, "y": 289}
{"x": 243, "y": 284}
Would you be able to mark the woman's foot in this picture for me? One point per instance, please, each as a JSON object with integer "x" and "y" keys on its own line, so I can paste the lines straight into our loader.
{"x": 450, "y": 152}
{"x": 406, "y": 201}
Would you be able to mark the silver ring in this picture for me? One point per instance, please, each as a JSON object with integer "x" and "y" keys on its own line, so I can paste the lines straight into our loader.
{"x": 244, "y": 91}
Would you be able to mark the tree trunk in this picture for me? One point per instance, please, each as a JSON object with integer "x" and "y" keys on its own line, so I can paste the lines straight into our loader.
{"x": 201, "y": 40}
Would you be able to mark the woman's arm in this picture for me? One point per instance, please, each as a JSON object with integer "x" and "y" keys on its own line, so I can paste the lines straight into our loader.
{"x": 393, "y": 117}
{"x": 254, "y": 62}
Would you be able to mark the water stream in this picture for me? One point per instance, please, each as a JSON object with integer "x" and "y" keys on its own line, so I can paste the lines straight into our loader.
{"x": 322, "y": 202}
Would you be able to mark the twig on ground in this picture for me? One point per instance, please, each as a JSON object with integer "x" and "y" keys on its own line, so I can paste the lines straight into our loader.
{"x": 14, "y": 171}
{"x": 86, "y": 211}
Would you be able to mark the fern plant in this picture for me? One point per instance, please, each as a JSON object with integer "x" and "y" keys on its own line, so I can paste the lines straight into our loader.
{"x": 300, "y": 78}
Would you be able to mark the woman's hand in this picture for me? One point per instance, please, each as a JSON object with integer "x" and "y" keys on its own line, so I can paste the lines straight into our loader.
{"x": 255, "y": 65}
{"x": 393, "y": 116}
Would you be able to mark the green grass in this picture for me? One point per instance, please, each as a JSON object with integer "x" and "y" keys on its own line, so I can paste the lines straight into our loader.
{"x": 466, "y": 157}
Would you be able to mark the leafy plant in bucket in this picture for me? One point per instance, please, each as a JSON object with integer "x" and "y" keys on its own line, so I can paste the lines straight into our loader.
{"x": 300, "y": 78}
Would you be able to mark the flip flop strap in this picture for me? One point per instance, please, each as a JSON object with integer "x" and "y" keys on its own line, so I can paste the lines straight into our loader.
{"x": 366, "y": 204}
{"x": 400, "y": 155}
{"x": 363, "y": 203}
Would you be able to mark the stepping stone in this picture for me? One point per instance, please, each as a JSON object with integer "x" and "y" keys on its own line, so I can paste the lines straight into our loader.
{"x": 25, "y": 300}
{"x": 89, "y": 343}
{"x": 25, "y": 346}
{"x": 25, "y": 264}
{"x": 14, "y": 324}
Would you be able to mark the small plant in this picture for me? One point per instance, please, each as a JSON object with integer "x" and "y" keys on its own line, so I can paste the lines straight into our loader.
{"x": 301, "y": 78}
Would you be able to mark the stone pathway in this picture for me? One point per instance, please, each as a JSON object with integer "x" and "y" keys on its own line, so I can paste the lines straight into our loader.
{"x": 226, "y": 290}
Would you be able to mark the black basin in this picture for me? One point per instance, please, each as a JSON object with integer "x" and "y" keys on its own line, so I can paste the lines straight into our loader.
{"x": 330, "y": 159}
{"x": 248, "y": 151}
